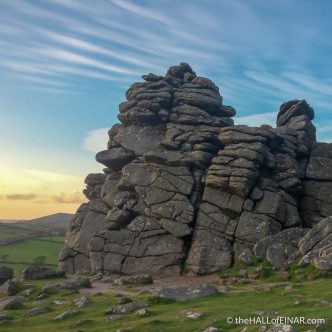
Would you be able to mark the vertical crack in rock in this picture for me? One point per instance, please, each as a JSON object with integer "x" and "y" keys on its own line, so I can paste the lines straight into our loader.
{"x": 186, "y": 190}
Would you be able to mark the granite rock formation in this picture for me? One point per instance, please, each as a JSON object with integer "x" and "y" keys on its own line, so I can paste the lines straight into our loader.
{"x": 186, "y": 190}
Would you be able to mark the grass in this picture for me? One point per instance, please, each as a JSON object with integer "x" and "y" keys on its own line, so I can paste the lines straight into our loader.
{"x": 22, "y": 254}
{"x": 55, "y": 224}
{"x": 12, "y": 233}
{"x": 167, "y": 317}
{"x": 293, "y": 293}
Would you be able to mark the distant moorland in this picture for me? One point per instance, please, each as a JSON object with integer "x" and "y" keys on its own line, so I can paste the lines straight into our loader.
{"x": 36, "y": 241}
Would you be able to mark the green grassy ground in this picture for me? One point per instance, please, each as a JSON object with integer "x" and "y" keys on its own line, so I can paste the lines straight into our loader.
{"x": 242, "y": 301}
{"x": 55, "y": 224}
{"x": 22, "y": 254}
{"x": 10, "y": 232}
{"x": 298, "y": 292}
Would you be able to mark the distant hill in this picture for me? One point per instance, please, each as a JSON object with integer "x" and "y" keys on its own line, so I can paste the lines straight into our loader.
{"x": 58, "y": 220}
{"x": 16, "y": 231}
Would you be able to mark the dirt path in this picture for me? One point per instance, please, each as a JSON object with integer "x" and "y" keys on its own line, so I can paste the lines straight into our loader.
{"x": 106, "y": 285}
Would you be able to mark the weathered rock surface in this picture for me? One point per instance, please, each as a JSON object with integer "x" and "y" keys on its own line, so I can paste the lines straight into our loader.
{"x": 186, "y": 190}
{"x": 122, "y": 309}
{"x": 10, "y": 287}
{"x": 82, "y": 302}
{"x": 279, "y": 328}
{"x": 140, "y": 279}
{"x": 183, "y": 293}
{"x": 280, "y": 249}
{"x": 40, "y": 272}
{"x": 317, "y": 200}
{"x": 316, "y": 246}
{"x": 38, "y": 310}
{"x": 11, "y": 302}
{"x": 66, "y": 314}
{"x": 6, "y": 273}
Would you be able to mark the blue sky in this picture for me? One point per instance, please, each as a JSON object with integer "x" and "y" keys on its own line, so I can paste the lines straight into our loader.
{"x": 66, "y": 64}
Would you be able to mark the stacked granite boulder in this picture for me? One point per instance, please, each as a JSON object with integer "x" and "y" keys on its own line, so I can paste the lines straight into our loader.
{"x": 186, "y": 190}
{"x": 316, "y": 246}
{"x": 142, "y": 209}
{"x": 252, "y": 189}
{"x": 316, "y": 202}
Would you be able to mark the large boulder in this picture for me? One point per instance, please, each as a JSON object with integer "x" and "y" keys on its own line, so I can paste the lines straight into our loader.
{"x": 280, "y": 249}
{"x": 11, "y": 303}
{"x": 316, "y": 245}
{"x": 40, "y": 272}
{"x": 6, "y": 273}
{"x": 320, "y": 162}
{"x": 10, "y": 287}
{"x": 184, "y": 189}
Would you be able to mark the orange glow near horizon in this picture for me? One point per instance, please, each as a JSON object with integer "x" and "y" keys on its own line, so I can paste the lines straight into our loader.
{"x": 28, "y": 194}
{"x": 12, "y": 210}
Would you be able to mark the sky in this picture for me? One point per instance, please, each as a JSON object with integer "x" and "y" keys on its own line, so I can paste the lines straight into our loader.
{"x": 66, "y": 64}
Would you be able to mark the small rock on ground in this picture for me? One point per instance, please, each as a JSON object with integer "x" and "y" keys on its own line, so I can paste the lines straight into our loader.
{"x": 76, "y": 284}
{"x": 28, "y": 292}
{"x": 50, "y": 289}
{"x": 279, "y": 328}
{"x": 140, "y": 279}
{"x": 266, "y": 313}
{"x": 11, "y": 302}
{"x": 188, "y": 292}
{"x": 192, "y": 314}
{"x": 60, "y": 302}
{"x": 82, "y": 302}
{"x": 141, "y": 312}
{"x": 211, "y": 329}
{"x": 66, "y": 314}
{"x": 114, "y": 317}
{"x": 40, "y": 272}
{"x": 126, "y": 308}
{"x": 9, "y": 288}
{"x": 38, "y": 310}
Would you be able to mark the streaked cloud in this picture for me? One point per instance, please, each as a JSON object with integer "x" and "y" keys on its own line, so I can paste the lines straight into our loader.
{"x": 143, "y": 11}
{"x": 96, "y": 140}
{"x": 50, "y": 177}
{"x": 72, "y": 197}
{"x": 257, "y": 120}
{"x": 21, "y": 197}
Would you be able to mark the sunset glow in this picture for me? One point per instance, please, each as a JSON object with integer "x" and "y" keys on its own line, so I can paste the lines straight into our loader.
{"x": 26, "y": 194}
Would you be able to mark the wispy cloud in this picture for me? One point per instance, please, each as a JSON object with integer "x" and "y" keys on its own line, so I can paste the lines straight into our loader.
{"x": 62, "y": 198}
{"x": 257, "y": 120}
{"x": 73, "y": 57}
{"x": 87, "y": 46}
{"x": 68, "y": 198}
{"x": 21, "y": 197}
{"x": 95, "y": 140}
{"x": 142, "y": 11}
{"x": 260, "y": 55}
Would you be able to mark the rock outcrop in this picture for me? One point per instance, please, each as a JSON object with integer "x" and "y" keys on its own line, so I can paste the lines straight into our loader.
{"x": 6, "y": 273}
{"x": 186, "y": 190}
{"x": 316, "y": 246}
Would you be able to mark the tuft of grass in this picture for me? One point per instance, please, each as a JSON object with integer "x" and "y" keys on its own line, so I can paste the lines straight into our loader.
{"x": 307, "y": 273}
